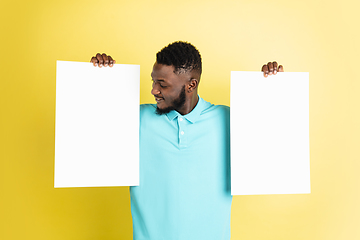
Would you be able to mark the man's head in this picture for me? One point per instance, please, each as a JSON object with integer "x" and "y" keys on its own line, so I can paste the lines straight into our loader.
{"x": 176, "y": 75}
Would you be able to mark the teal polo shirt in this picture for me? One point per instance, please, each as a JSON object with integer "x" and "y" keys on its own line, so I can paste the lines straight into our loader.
{"x": 184, "y": 191}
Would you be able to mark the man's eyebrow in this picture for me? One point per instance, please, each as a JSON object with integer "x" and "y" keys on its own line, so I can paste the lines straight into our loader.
{"x": 158, "y": 80}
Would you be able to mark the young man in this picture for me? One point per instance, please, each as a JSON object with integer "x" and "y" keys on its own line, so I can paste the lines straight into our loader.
{"x": 184, "y": 191}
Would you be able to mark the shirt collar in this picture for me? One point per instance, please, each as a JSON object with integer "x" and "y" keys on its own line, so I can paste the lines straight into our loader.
{"x": 192, "y": 116}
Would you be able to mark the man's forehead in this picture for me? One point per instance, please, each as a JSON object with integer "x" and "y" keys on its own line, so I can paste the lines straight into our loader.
{"x": 163, "y": 67}
{"x": 166, "y": 71}
{"x": 162, "y": 71}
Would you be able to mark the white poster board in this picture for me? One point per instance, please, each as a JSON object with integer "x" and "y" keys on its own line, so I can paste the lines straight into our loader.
{"x": 269, "y": 133}
{"x": 96, "y": 125}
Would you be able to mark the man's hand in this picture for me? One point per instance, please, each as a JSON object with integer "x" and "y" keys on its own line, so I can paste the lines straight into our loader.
{"x": 102, "y": 60}
{"x": 271, "y": 68}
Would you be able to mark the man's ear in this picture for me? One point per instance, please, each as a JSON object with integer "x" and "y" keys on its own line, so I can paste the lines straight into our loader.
{"x": 193, "y": 83}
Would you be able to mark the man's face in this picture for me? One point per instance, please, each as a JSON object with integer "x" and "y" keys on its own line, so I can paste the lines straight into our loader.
{"x": 168, "y": 88}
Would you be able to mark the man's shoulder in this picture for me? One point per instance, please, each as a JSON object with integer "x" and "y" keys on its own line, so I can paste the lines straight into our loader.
{"x": 147, "y": 110}
{"x": 215, "y": 109}
{"x": 147, "y": 107}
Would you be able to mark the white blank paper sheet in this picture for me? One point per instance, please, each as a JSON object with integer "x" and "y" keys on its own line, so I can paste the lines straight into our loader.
{"x": 96, "y": 125}
{"x": 269, "y": 133}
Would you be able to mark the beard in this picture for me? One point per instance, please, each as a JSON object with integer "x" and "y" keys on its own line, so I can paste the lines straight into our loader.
{"x": 176, "y": 104}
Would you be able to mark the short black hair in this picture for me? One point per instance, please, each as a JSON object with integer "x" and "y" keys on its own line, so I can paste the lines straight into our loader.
{"x": 182, "y": 55}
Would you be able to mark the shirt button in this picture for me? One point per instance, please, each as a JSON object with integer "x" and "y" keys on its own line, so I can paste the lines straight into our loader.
{"x": 182, "y": 132}
{"x": 180, "y": 119}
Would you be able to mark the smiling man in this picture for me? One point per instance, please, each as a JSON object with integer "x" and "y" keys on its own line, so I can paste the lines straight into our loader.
{"x": 176, "y": 75}
{"x": 184, "y": 191}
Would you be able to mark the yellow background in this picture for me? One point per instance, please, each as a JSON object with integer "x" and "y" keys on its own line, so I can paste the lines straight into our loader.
{"x": 320, "y": 37}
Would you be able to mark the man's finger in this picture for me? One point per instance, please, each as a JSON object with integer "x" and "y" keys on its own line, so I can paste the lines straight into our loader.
{"x": 275, "y": 67}
{"x": 106, "y": 59}
{"x": 111, "y": 61}
{"x": 265, "y": 69}
{"x": 100, "y": 60}
{"x": 271, "y": 68}
{"x": 281, "y": 68}
{"x": 94, "y": 61}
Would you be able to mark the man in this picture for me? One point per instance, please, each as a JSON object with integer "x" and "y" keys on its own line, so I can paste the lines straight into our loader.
{"x": 184, "y": 191}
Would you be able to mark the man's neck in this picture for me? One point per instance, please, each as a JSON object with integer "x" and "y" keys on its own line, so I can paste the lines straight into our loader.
{"x": 189, "y": 105}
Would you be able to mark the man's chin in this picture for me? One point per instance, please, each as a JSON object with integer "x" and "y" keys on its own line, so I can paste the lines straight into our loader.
{"x": 161, "y": 111}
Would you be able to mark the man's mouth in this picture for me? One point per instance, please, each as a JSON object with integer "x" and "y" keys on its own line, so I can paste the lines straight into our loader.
{"x": 157, "y": 99}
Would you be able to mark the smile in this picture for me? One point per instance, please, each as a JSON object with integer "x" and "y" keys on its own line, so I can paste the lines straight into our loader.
{"x": 158, "y": 99}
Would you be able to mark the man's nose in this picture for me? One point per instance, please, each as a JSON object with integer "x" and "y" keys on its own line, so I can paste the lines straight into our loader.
{"x": 155, "y": 90}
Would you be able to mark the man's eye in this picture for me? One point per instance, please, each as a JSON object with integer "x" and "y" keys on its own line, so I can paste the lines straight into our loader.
{"x": 162, "y": 86}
